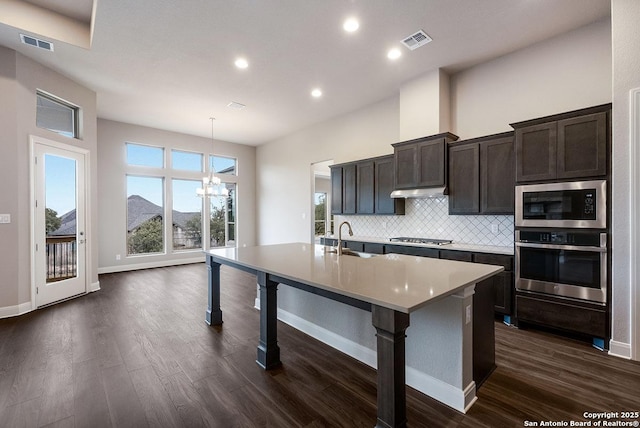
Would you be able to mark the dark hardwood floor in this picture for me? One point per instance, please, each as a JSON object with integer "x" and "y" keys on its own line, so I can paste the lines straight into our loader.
{"x": 138, "y": 353}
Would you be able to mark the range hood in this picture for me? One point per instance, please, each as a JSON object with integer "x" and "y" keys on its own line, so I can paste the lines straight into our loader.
{"x": 424, "y": 193}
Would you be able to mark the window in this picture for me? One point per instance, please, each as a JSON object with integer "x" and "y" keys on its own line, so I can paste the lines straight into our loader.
{"x": 145, "y": 215}
{"x": 56, "y": 115}
{"x": 320, "y": 214}
{"x": 186, "y": 161}
{"x": 145, "y": 155}
{"x": 223, "y": 165}
{"x": 223, "y": 219}
{"x": 187, "y": 215}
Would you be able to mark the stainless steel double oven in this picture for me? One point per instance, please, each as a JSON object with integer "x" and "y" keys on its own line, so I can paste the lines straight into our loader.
{"x": 561, "y": 239}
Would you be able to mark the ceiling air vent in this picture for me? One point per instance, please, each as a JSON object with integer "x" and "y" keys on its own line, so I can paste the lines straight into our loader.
{"x": 416, "y": 40}
{"x": 38, "y": 43}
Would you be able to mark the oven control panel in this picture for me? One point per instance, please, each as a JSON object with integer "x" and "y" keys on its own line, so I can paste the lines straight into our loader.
{"x": 586, "y": 239}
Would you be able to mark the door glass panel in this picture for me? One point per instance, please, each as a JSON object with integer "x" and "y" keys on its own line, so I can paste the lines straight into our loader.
{"x": 320, "y": 214}
{"x": 60, "y": 218}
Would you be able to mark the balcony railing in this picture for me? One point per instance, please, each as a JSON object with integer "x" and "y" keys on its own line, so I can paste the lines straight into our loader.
{"x": 62, "y": 258}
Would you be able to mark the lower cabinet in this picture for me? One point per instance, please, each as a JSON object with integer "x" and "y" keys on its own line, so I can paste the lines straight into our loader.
{"x": 500, "y": 286}
{"x": 503, "y": 282}
{"x": 412, "y": 251}
{"x": 576, "y": 317}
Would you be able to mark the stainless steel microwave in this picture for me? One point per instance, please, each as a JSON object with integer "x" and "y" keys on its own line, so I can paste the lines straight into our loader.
{"x": 575, "y": 204}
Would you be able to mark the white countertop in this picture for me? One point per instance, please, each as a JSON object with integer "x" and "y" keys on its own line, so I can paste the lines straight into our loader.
{"x": 399, "y": 282}
{"x": 491, "y": 249}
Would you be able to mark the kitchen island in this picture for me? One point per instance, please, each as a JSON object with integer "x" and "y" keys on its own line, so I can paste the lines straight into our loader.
{"x": 390, "y": 286}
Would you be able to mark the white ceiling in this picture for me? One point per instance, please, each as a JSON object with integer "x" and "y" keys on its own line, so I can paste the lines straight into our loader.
{"x": 169, "y": 65}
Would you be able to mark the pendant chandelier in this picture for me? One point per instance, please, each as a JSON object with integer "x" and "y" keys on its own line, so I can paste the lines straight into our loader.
{"x": 211, "y": 185}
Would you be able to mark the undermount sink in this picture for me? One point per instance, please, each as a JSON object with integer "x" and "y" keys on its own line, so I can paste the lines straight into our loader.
{"x": 358, "y": 254}
{"x": 348, "y": 252}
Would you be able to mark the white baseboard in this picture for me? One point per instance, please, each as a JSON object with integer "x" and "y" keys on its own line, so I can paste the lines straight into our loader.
{"x": 620, "y": 349}
{"x": 94, "y": 287}
{"x": 349, "y": 347}
{"x": 149, "y": 265}
{"x": 458, "y": 399}
{"x": 12, "y": 311}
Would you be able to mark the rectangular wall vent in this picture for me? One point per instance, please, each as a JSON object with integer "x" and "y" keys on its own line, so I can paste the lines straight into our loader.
{"x": 38, "y": 43}
{"x": 416, "y": 40}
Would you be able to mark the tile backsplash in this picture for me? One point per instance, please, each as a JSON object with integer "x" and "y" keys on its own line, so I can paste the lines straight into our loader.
{"x": 429, "y": 218}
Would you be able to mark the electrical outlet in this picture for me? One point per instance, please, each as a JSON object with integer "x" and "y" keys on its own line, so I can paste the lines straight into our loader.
{"x": 117, "y": 256}
{"x": 495, "y": 228}
{"x": 5, "y": 218}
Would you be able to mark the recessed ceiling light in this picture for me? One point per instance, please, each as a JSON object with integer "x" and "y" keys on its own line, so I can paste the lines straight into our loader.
{"x": 241, "y": 63}
{"x": 316, "y": 93}
{"x": 351, "y": 25}
{"x": 394, "y": 54}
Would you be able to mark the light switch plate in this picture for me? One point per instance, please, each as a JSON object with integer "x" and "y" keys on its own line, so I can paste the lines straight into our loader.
{"x": 5, "y": 218}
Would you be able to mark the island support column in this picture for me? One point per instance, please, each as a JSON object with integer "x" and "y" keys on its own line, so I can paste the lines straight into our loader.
{"x": 268, "y": 349}
{"x": 214, "y": 314}
{"x": 392, "y": 398}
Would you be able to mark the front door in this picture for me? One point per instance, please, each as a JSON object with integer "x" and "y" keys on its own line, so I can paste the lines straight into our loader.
{"x": 59, "y": 222}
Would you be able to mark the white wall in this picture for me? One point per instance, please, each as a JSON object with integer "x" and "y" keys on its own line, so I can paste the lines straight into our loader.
{"x": 112, "y": 189}
{"x": 564, "y": 73}
{"x": 625, "y": 16}
{"x": 283, "y": 166}
{"x": 21, "y": 78}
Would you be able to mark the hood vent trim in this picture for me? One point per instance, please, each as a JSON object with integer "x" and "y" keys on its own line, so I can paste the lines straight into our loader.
{"x": 429, "y": 193}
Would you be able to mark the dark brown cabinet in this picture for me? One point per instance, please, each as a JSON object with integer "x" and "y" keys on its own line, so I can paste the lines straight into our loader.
{"x": 565, "y": 146}
{"x": 349, "y": 192}
{"x": 364, "y": 187}
{"x": 422, "y": 162}
{"x": 464, "y": 179}
{"x": 383, "y": 186}
{"x": 502, "y": 283}
{"x": 481, "y": 175}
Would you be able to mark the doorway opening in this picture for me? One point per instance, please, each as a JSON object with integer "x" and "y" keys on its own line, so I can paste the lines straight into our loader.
{"x": 321, "y": 218}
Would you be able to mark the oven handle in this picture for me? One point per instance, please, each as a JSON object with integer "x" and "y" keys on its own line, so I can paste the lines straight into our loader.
{"x": 562, "y": 247}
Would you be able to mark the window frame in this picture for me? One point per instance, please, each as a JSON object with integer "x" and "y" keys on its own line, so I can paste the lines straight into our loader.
{"x": 76, "y": 112}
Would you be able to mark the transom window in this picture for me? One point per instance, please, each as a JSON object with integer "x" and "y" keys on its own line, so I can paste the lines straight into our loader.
{"x": 140, "y": 155}
{"x": 56, "y": 115}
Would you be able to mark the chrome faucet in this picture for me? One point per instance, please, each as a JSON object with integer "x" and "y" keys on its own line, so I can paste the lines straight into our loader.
{"x": 339, "y": 250}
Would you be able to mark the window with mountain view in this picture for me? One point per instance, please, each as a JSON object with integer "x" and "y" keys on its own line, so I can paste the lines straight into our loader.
{"x": 145, "y": 215}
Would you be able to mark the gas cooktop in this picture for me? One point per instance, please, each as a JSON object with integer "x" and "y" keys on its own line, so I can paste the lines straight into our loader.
{"x": 421, "y": 240}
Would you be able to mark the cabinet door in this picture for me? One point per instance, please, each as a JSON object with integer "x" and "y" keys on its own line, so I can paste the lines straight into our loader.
{"x": 497, "y": 176}
{"x": 582, "y": 146}
{"x": 349, "y": 189}
{"x": 336, "y": 190}
{"x": 461, "y": 256}
{"x": 432, "y": 163}
{"x": 405, "y": 163}
{"x": 536, "y": 152}
{"x": 464, "y": 177}
{"x": 503, "y": 290}
{"x": 384, "y": 203}
{"x": 364, "y": 188}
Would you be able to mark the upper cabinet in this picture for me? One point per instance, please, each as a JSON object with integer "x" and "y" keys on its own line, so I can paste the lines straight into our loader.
{"x": 422, "y": 163}
{"x": 481, "y": 175}
{"x": 564, "y": 146}
{"x": 364, "y": 187}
